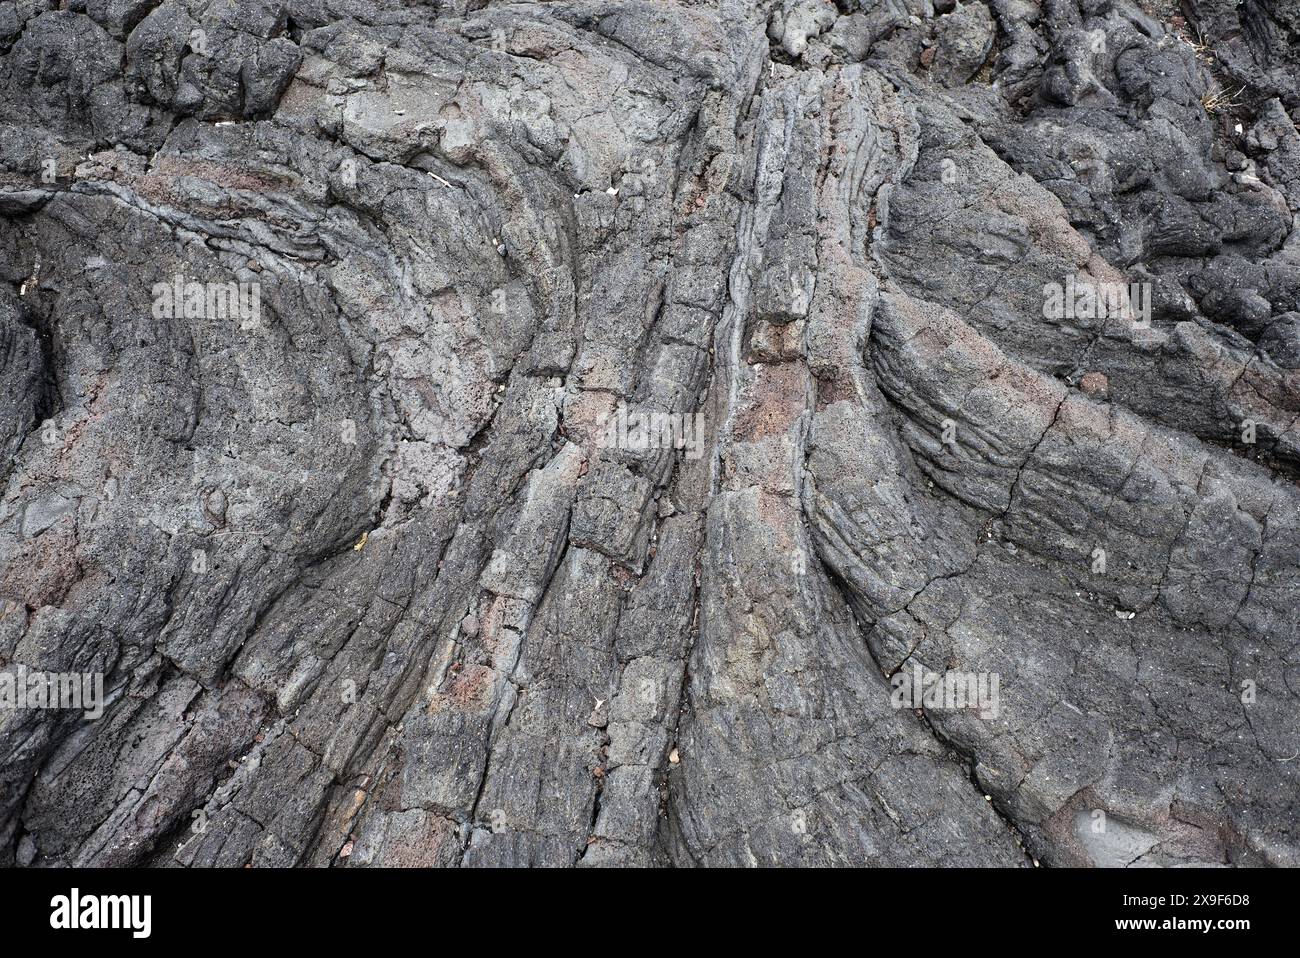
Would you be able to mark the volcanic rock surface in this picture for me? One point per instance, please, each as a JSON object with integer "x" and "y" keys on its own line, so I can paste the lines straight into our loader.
{"x": 369, "y": 583}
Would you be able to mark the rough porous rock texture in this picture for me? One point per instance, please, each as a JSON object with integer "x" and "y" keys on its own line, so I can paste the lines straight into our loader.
{"x": 367, "y": 581}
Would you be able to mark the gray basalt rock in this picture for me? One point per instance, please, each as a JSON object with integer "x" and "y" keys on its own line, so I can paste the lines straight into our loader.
{"x": 616, "y": 432}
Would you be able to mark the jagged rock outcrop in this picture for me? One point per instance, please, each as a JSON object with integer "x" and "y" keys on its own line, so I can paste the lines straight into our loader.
{"x": 324, "y": 322}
